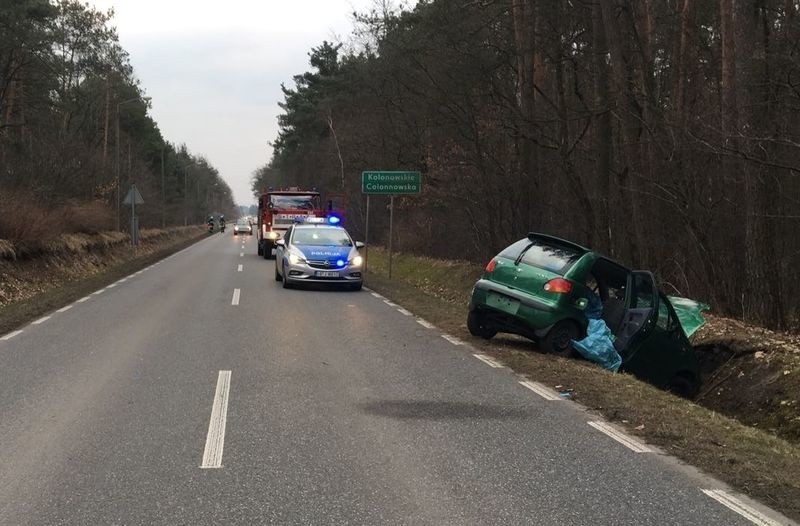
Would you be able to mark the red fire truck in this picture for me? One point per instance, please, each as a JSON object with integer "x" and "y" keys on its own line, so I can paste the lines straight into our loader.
{"x": 279, "y": 209}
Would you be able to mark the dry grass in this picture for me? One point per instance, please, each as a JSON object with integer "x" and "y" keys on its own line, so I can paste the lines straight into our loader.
{"x": 756, "y": 462}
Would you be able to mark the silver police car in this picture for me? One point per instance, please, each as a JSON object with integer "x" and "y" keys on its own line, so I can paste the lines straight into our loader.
{"x": 317, "y": 251}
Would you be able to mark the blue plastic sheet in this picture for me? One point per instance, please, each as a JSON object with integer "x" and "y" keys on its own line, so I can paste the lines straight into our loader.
{"x": 598, "y": 347}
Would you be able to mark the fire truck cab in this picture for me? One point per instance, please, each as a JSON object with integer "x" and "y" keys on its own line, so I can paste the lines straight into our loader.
{"x": 279, "y": 209}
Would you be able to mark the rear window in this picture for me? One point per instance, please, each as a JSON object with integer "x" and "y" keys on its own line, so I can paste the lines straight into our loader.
{"x": 544, "y": 254}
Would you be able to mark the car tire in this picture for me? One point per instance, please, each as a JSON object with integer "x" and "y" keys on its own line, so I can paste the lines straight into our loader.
{"x": 356, "y": 287}
{"x": 285, "y": 279}
{"x": 559, "y": 339}
{"x": 476, "y": 323}
{"x": 684, "y": 384}
{"x": 278, "y": 276}
{"x": 259, "y": 249}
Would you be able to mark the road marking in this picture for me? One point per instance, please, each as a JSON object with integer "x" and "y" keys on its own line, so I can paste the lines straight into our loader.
{"x": 83, "y": 299}
{"x": 236, "y": 294}
{"x": 241, "y": 254}
{"x": 240, "y": 268}
{"x": 404, "y": 312}
{"x": 111, "y": 286}
{"x": 426, "y": 324}
{"x": 376, "y": 295}
{"x": 10, "y": 335}
{"x": 544, "y": 392}
{"x": 627, "y": 441}
{"x": 95, "y": 293}
{"x": 123, "y": 280}
{"x": 491, "y": 362}
{"x": 452, "y": 339}
{"x": 40, "y": 320}
{"x": 64, "y": 309}
{"x": 748, "y": 512}
{"x": 215, "y": 440}
{"x": 390, "y": 303}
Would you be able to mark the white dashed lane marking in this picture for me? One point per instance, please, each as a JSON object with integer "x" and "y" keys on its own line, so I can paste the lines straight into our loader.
{"x": 403, "y": 311}
{"x": 83, "y": 299}
{"x": 41, "y": 320}
{"x": 10, "y": 335}
{"x": 236, "y": 294}
{"x": 626, "y": 440}
{"x": 452, "y": 339}
{"x": 425, "y": 323}
{"x": 544, "y": 392}
{"x": 215, "y": 440}
{"x": 240, "y": 268}
{"x": 491, "y": 362}
{"x": 64, "y": 309}
{"x": 748, "y": 512}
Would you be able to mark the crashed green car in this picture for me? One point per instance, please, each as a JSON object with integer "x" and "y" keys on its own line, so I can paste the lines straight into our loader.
{"x": 541, "y": 286}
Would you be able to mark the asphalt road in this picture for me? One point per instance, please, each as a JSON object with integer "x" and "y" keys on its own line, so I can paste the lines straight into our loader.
{"x": 338, "y": 408}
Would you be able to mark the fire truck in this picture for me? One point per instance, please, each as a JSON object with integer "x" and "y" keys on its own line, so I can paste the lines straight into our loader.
{"x": 279, "y": 209}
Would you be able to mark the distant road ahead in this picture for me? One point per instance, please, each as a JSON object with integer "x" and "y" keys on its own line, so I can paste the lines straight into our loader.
{"x": 201, "y": 392}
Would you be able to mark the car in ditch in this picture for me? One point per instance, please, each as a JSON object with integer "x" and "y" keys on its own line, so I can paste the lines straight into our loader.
{"x": 541, "y": 286}
{"x": 318, "y": 250}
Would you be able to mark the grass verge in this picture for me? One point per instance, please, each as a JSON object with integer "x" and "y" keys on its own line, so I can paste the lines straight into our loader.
{"x": 756, "y": 462}
{"x": 62, "y": 290}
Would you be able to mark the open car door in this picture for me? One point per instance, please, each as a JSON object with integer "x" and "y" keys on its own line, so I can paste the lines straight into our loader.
{"x": 641, "y": 311}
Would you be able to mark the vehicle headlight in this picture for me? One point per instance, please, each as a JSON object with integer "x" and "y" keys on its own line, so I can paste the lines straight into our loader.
{"x": 356, "y": 261}
{"x": 294, "y": 259}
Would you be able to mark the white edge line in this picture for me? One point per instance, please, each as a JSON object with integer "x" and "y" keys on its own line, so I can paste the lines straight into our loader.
{"x": 732, "y": 503}
{"x": 375, "y": 294}
{"x": 64, "y": 309}
{"x": 426, "y": 324}
{"x": 488, "y": 361}
{"x": 403, "y": 311}
{"x": 85, "y": 298}
{"x": 10, "y": 335}
{"x": 41, "y": 320}
{"x": 539, "y": 389}
{"x": 627, "y": 441}
{"x": 111, "y": 286}
{"x": 95, "y": 293}
{"x": 215, "y": 439}
{"x": 390, "y": 303}
{"x": 236, "y": 295}
{"x": 452, "y": 339}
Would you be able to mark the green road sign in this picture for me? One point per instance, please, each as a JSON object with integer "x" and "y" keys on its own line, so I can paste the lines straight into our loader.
{"x": 390, "y": 183}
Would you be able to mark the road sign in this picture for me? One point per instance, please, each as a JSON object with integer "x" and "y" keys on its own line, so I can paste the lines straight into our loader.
{"x": 390, "y": 183}
{"x": 133, "y": 197}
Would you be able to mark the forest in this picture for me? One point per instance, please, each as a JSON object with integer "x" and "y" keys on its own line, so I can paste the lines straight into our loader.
{"x": 75, "y": 132}
{"x": 663, "y": 133}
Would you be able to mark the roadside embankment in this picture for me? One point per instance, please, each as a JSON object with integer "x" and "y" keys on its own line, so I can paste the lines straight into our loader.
{"x": 37, "y": 278}
{"x": 742, "y": 429}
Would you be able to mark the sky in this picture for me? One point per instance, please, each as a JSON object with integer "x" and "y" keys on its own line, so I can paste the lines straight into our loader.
{"x": 214, "y": 69}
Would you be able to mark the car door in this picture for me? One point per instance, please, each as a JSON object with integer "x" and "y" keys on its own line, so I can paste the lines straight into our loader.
{"x": 641, "y": 310}
{"x": 280, "y": 250}
{"x": 664, "y": 357}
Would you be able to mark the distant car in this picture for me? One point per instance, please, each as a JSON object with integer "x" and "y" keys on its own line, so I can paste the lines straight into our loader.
{"x": 539, "y": 288}
{"x": 318, "y": 252}
{"x": 242, "y": 226}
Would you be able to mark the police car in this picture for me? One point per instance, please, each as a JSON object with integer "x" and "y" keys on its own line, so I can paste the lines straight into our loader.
{"x": 318, "y": 250}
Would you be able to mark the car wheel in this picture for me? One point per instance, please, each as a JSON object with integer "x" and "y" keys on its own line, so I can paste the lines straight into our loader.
{"x": 684, "y": 384}
{"x": 259, "y": 249}
{"x": 476, "y": 323}
{"x": 356, "y": 287}
{"x": 285, "y": 279}
{"x": 278, "y": 276}
{"x": 559, "y": 340}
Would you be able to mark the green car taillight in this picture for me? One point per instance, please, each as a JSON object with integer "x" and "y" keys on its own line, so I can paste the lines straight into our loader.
{"x": 558, "y": 286}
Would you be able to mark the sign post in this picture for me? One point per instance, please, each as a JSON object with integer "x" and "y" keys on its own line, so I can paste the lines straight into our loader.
{"x": 389, "y": 183}
{"x": 134, "y": 198}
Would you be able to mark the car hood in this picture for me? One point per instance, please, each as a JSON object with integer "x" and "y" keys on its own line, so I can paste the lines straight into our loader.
{"x": 317, "y": 253}
{"x": 690, "y": 313}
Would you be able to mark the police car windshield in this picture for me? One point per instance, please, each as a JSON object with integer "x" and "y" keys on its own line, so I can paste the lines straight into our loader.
{"x": 294, "y": 202}
{"x": 321, "y": 237}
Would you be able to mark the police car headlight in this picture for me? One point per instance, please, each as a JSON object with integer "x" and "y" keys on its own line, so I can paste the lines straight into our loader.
{"x": 356, "y": 261}
{"x": 294, "y": 259}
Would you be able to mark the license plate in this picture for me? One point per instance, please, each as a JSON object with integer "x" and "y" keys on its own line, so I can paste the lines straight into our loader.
{"x": 326, "y": 274}
{"x": 503, "y": 303}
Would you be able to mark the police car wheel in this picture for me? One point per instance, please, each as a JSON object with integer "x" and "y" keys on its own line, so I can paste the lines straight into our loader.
{"x": 356, "y": 287}
{"x": 285, "y": 280}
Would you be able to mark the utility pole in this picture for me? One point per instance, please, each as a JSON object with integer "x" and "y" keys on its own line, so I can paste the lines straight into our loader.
{"x": 163, "y": 192}
{"x": 117, "y": 162}
{"x": 185, "y": 196}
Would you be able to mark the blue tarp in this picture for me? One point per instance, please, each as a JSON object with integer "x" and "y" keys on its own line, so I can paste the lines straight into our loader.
{"x": 598, "y": 347}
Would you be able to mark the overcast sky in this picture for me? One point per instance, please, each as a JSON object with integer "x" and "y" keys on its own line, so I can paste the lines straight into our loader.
{"x": 214, "y": 69}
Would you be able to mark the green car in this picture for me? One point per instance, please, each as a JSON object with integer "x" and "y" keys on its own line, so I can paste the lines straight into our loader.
{"x": 543, "y": 287}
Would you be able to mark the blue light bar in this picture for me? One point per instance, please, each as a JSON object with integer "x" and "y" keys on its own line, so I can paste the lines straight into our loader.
{"x": 334, "y": 220}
